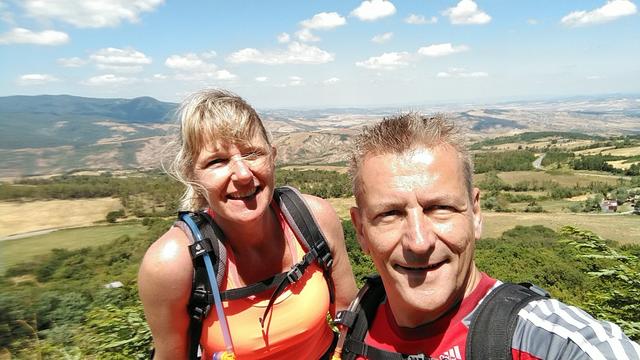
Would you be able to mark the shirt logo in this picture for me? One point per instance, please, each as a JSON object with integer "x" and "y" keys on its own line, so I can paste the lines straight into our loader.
{"x": 452, "y": 354}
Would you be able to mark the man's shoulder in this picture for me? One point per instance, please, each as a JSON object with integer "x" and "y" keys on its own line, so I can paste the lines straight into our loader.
{"x": 549, "y": 328}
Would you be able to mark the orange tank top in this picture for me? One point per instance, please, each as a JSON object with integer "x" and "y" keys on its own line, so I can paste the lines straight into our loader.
{"x": 296, "y": 328}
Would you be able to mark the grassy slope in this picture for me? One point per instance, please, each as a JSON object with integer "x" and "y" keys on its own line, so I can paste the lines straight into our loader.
{"x": 20, "y": 250}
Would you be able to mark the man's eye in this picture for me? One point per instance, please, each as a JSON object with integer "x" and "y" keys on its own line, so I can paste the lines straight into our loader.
{"x": 389, "y": 214}
{"x": 442, "y": 209}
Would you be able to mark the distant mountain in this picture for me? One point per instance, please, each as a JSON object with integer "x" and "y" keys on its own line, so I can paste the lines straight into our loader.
{"x": 139, "y": 110}
{"x": 57, "y": 133}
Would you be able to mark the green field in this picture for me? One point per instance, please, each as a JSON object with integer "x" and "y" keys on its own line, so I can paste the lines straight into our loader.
{"x": 13, "y": 252}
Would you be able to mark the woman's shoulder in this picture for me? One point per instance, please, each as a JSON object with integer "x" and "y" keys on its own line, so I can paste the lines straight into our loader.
{"x": 167, "y": 263}
{"x": 320, "y": 208}
{"x": 325, "y": 214}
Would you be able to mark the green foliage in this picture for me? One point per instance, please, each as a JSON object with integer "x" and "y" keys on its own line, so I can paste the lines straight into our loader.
{"x": 532, "y": 254}
{"x": 531, "y": 136}
{"x": 321, "y": 183}
{"x": 554, "y": 156}
{"x": 596, "y": 162}
{"x": 66, "y": 312}
{"x": 491, "y": 182}
{"x": 615, "y": 294}
{"x": 116, "y": 333}
{"x": 503, "y": 161}
{"x": 112, "y": 216}
{"x": 361, "y": 264}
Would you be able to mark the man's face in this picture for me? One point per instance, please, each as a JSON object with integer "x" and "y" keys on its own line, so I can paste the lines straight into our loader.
{"x": 419, "y": 225}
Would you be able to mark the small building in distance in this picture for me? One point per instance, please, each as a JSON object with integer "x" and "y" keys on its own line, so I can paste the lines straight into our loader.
{"x": 609, "y": 205}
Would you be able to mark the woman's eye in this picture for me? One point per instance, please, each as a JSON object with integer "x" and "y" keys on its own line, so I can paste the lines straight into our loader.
{"x": 215, "y": 162}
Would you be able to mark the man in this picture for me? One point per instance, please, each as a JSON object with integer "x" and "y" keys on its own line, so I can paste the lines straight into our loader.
{"x": 418, "y": 216}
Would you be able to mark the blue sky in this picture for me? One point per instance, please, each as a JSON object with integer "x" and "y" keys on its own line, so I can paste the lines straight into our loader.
{"x": 294, "y": 53}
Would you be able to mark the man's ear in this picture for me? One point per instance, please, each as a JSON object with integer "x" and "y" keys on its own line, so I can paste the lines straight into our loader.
{"x": 477, "y": 213}
{"x": 356, "y": 219}
{"x": 274, "y": 152}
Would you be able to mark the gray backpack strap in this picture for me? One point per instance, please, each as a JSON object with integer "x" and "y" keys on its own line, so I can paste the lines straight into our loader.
{"x": 491, "y": 330}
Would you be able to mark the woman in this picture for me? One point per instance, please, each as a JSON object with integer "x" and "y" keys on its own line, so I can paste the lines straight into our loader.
{"x": 227, "y": 163}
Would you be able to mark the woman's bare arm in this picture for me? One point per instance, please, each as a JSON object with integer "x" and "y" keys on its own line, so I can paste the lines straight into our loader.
{"x": 164, "y": 282}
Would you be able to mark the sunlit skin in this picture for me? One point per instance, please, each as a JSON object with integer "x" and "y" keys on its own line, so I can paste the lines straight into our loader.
{"x": 418, "y": 223}
{"x": 239, "y": 179}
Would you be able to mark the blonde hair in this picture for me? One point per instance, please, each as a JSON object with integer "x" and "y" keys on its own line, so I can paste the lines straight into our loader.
{"x": 403, "y": 133}
{"x": 206, "y": 116}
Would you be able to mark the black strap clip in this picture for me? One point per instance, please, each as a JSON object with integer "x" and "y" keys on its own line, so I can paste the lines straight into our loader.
{"x": 294, "y": 274}
{"x": 200, "y": 248}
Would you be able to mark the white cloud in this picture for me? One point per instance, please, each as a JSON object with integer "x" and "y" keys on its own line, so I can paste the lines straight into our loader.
{"x": 414, "y": 19}
{"x": 192, "y": 67}
{"x": 284, "y": 38}
{"x": 371, "y": 10}
{"x": 209, "y": 54}
{"x": 107, "y": 79}
{"x": 331, "y": 81}
{"x": 594, "y": 77}
{"x": 437, "y": 50}
{"x": 324, "y": 21}
{"x": 306, "y": 35}
{"x": 224, "y": 75}
{"x": 612, "y": 10}
{"x": 90, "y": 14}
{"x": 26, "y": 36}
{"x": 382, "y": 38}
{"x": 187, "y": 62}
{"x": 262, "y": 79}
{"x": 160, "y": 76}
{"x": 296, "y": 53}
{"x": 36, "y": 79}
{"x": 467, "y": 12}
{"x": 532, "y": 21}
{"x": 386, "y": 61}
{"x": 71, "y": 62}
{"x": 295, "y": 81}
{"x": 120, "y": 60}
{"x": 461, "y": 73}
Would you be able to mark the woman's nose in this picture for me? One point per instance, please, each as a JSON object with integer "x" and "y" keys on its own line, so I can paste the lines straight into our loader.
{"x": 240, "y": 171}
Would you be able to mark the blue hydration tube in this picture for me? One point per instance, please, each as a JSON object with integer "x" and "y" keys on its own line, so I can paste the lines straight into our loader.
{"x": 214, "y": 287}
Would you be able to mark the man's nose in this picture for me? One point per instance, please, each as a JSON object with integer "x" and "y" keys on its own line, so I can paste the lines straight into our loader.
{"x": 420, "y": 236}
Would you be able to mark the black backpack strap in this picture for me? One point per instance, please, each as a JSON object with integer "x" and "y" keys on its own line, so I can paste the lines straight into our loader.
{"x": 307, "y": 231}
{"x": 491, "y": 330}
{"x": 360, "y": 322}
{"x": 304, "y": 225}
{"x": 201, "y": 295}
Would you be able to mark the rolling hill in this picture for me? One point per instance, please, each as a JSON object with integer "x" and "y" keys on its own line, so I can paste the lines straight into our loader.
{"x": 57, "y": 133}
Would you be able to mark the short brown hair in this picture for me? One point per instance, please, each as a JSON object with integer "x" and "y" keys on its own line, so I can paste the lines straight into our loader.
{"x": 406, "y": 132}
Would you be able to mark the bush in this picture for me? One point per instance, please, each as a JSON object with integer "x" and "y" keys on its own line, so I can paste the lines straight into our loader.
{"x": 112, "y": 216}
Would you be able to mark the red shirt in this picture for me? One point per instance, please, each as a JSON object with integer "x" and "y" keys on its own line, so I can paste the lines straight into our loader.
{"x": 443, "y": 339}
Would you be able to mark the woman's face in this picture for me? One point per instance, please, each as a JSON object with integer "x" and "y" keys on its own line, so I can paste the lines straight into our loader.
{"x": 239, "y": 178}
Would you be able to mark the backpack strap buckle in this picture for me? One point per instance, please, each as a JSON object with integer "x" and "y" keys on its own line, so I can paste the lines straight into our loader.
{"x": 345, "y": 318}
{"x": 200, "y": 248}
{"x": 294, "y": 274}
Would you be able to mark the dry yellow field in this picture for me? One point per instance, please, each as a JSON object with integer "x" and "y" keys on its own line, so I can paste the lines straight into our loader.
{"x": 630, "y": 151}
{"x": 594, "y": 150}
{"x": 621, "y": 228}
{"x": 342, "y": 206}
{"x": 339, "y": 169}
{"x": 513, "y": 177}
{"x": 18, "y": 218}
{"x": 621, "y": 164}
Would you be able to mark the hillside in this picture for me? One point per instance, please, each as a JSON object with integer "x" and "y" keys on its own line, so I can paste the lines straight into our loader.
{"x": 57, "y": 133}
